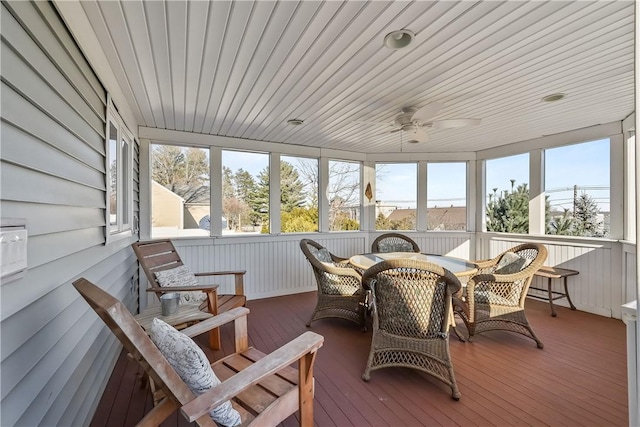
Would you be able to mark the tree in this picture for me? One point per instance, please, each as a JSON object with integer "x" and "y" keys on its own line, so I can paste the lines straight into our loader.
{"x": 299, "y": 219}
{"x": 563, "y": 225}
{"x": 343, "y": 191}
{"x": 292, "y": 193}
{"x": 183, "y": 171}
{"x": 586, "y": 217}
{"x": 509, "y": 211}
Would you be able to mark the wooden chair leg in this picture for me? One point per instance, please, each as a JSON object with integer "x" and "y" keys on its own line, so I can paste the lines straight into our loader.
{"x": 305, "y": 389}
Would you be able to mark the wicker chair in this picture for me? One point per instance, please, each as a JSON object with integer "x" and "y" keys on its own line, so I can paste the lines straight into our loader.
{"x": 495, "y": 296}
{"x": 394, "y": 242}
{"x": 340, "y": 292}
{"x": 411, "y": 318}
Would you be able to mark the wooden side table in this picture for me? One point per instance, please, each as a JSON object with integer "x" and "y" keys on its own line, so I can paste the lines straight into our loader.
{"x": 554, "y": 273}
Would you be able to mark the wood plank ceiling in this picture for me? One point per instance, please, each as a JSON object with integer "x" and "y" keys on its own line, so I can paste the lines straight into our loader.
{"x": 242, "y": 69}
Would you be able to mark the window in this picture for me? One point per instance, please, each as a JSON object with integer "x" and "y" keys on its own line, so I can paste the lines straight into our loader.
{"x": 298, "y": 194}
{"x": 396, "y": 196}
{"x": 119, "y": 157}
{"x": 577, "y": 189}
{"x": 245, "y": 192}
{"x": 343, "y": 194}
{"x": 447, "y": 196}
{"x": 507, "y": 192}
{"x": 180, "y": 193}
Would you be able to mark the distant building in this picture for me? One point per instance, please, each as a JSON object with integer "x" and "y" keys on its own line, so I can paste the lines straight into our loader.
{"x": 438, "y": 219}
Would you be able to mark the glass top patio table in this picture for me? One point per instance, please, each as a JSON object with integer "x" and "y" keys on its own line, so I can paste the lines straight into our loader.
{"x": 459, "y": 267}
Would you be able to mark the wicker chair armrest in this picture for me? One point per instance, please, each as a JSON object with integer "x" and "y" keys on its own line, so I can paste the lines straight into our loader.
{"x": 338, "y": 259}
{"x": 168, "y": 289}
{"x": 347, "y": 270}
{"x": 484, "y": 263}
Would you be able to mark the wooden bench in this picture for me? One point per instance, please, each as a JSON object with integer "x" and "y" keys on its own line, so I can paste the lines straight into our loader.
{"x": 554, "y": 273}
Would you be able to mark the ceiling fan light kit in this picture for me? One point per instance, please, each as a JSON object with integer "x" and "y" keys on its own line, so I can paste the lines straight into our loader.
{"x": 398, "y": 39}
{"x": 414, "y": 122}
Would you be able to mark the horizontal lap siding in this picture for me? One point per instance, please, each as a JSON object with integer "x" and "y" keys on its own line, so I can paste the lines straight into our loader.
{"x": 56, "y": 355}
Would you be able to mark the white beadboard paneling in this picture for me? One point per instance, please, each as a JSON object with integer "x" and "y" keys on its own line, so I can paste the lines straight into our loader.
{"x": 241, "y": 69}
{"x": 275, "y": 266}
{"x": 595, "y": 289}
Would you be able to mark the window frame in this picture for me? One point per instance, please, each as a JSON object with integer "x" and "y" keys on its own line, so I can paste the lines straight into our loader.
{"x": 124, "y": 225}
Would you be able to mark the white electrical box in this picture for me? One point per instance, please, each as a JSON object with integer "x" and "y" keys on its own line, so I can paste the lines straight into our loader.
{"x": 13, "y": 249}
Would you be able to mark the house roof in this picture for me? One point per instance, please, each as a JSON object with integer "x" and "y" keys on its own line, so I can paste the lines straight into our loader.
{"x": 243, "y": 69}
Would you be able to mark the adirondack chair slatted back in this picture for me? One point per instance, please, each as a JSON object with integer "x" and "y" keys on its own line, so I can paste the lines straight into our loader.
{"x": 156, "y": 256}
{"x": 135, "y": 341}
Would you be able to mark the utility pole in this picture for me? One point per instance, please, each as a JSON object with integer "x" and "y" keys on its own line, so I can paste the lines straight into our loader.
{"x": 575, "y": 198}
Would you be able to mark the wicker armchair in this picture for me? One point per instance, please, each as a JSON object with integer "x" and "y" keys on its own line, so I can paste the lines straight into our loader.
{"x": 340, "y": 292}
{"x": 394, "y": 242}
{"x": 411, "y": 318}
{"x": 495, "y": 296}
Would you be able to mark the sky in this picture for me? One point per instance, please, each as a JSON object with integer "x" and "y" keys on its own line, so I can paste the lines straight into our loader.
{"x": 585, "y": 165}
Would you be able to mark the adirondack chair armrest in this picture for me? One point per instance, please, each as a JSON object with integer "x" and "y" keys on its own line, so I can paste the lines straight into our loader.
{"x": 168, "y": 289}
{"x": 215, "y": 321}
{"x": 238, "y": 275}
{"x": 306, "y": 344}
{"x": 222, "y": 273}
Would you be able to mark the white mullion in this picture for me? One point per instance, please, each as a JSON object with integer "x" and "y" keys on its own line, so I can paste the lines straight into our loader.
{"x": 215, "y": 191}
{"x": 323, "y": 200}
{"x": 471, "y": 201}
{"x": 274, "y": 194}
{"x": 422, "y": 196}
{"x": 368, "y": 207}
{"x": 537, "y": 199}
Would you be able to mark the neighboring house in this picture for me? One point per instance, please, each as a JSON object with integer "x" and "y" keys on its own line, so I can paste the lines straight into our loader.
{"x": 167, "y": 208}
{"x": 438, "y": 219}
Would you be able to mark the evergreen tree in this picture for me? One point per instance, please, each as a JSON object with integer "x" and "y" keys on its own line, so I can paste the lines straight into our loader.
{"x": 259, "y": 200}
{"x": 586, "y": 217}
{"x": 564, "y": 225}
{"x": 509, "y": 211}
{"x": 291, "y": 188}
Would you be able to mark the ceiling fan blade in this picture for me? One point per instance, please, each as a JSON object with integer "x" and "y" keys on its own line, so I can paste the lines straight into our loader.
{"x": 454, "y": 123}
{"x": 417, "y": 135}
{"x": 426, "y": 112}
{"x": 374, "y": 123}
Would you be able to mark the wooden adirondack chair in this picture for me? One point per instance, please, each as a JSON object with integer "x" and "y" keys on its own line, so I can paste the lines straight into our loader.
{"x": 160, "y": 255}
{"x": 263, "y": 388}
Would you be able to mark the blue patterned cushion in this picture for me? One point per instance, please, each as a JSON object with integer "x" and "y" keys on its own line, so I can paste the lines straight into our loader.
{"x": 181, "y": 276}
{"x": 322, "y": 255}
{"x": 192, "y": 365}
{"x": 510, "y": 263}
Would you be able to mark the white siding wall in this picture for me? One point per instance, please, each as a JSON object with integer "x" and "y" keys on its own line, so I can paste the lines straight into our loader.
{"x": 56, "y": 355}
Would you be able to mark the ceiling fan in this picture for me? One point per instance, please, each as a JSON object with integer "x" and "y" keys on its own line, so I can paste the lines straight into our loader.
{"x": 413, "y": 122}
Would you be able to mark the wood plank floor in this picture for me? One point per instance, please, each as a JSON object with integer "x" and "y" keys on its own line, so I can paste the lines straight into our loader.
{"x": 578, "y": 379}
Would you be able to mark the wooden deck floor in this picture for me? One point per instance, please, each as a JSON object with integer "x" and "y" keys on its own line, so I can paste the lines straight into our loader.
{"x": 578, "y": 379}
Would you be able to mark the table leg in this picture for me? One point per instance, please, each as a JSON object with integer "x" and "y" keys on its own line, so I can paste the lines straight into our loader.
{"x": 566, "y": 292}
{"x": 553, "y": 309}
